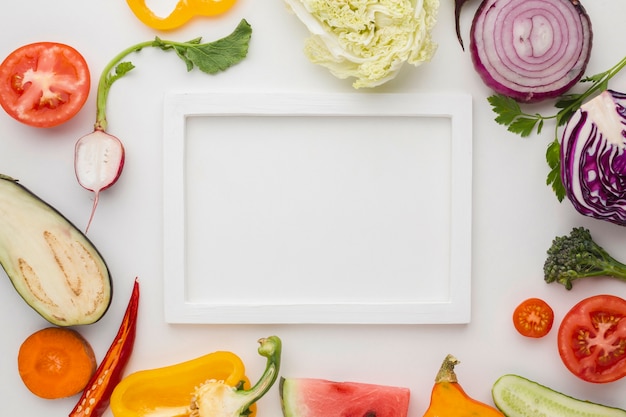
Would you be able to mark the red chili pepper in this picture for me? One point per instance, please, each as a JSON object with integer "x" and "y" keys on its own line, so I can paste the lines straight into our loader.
{"x": 97, "y": 394}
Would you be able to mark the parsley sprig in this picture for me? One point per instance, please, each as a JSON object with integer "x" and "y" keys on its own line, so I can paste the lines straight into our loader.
{"x": 510, "y": 114}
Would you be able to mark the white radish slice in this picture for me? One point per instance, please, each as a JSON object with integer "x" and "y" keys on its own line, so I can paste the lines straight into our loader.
{"x": 98, "y": 163}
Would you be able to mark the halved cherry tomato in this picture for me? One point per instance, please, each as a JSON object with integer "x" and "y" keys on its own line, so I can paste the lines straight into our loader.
{"x": 592, "y": 339}
{"x": 44, "y": 84}
{"x": 533, "y": 318}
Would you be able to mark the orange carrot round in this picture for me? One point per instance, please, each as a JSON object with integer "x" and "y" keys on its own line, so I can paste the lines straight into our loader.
{"x": 56, "y": 362}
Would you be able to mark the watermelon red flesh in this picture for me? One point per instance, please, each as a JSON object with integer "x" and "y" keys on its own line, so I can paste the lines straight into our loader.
{"x": 309, "y": 397}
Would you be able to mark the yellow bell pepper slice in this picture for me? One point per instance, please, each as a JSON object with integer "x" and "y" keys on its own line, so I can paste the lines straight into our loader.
{"x": 182, "y": 13}
{"x": 168, "y": 391}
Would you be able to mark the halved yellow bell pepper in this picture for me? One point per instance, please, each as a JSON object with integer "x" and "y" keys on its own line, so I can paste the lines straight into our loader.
{"x": 212, "y": 385}
{"x": 183, "y": 12}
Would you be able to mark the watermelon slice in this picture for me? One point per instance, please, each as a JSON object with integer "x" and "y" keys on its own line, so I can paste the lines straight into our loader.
{"x": 310, "y": 397}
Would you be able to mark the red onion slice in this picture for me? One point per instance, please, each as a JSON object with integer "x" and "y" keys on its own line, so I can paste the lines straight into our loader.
{"x": 530, "y": 50}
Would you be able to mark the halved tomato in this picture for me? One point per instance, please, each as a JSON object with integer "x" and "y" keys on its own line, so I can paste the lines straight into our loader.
{"x": 592, "y": 339}
{"x": 44, "y": 84}
{"x": 533, "y": 318}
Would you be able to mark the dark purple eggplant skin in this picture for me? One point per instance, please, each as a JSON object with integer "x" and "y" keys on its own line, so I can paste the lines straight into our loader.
{"x": 526, "y": 96}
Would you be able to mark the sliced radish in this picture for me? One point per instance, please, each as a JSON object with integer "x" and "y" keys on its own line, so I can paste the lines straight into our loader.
{"x": 98, "y": 163}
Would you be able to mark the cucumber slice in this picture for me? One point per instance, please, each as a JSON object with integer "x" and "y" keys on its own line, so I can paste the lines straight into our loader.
{"x": 517, "y": 396}
{"x": 51, "y": 264}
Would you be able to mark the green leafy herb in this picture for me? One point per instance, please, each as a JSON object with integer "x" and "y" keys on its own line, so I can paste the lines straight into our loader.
{"x": 510, "y": 114}
{"x": 553, "y": 158}
{"x": 209, "y": 58}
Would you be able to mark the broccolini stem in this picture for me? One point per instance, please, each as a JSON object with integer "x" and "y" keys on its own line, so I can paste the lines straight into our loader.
{"x": 615, "y": 269}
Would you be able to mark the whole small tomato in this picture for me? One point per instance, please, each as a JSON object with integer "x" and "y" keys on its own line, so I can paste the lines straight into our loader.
{"x": 44, "y": 84}
{"x": 533, "y": 318}
{"x": 592, "y": 339}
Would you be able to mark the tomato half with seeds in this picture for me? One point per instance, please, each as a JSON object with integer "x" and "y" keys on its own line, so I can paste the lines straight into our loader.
{"x": 533, "y": 318}
{"x": 592, "y": 339}
{"x": 44, "y": 84}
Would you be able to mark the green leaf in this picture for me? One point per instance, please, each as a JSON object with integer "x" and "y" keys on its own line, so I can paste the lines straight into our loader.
{"x": 505, "y": 107}
{"x": 120, "y": 70}
{"x": 219, "y": 55}
{"x": 553, "y": 154}
{"x": 195, "y": 41}
{"x": 554, "y": 180}
{"x": 567, "y": 100}
{"x": 523, "y": 126}
{"x": 564, "y": 115}
{"x": 181, "y": 51}
{"x": 595, "y": 77}
{"x": 553, "y": 158}
{"x": 123, "y": 68}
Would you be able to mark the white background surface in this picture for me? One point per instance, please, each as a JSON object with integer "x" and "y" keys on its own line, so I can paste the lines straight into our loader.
{"x": 515, "y": 216}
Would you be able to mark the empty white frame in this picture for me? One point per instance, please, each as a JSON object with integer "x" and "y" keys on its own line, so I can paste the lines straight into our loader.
{"x": 317, "y": 208}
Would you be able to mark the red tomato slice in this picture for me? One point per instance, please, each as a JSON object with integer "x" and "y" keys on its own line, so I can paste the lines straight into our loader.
{"x": 592, "y": 339}
{"x": 44, "y": 84}
{"x": 533, "y": 318}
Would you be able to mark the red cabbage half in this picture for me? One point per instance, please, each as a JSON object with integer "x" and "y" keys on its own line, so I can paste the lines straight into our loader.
{"x": 530, "y": 50}
{"x": 593, "y": 159}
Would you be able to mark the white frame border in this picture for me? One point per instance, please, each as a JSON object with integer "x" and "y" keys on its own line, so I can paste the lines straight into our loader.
{"x": 179, "y": 106}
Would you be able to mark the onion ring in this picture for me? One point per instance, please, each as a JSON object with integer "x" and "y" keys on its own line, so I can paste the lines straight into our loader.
{"x": 531, "y": 50}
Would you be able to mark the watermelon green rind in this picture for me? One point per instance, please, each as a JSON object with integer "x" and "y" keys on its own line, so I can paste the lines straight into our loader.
{"x": 310, "y": 397}
{"x": 288, "y": 397}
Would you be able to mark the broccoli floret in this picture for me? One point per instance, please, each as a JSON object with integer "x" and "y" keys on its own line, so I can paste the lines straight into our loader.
{"x": 578, "y": 256}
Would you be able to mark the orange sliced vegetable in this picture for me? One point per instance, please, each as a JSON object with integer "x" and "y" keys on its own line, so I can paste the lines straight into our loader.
{"x": 182, "y": 13}
{"x": 56, "y": 362}
{"x": 449, "y": 399}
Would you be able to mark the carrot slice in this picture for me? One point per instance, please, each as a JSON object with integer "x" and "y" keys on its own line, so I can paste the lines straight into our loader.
{"x": 56, "y": 362}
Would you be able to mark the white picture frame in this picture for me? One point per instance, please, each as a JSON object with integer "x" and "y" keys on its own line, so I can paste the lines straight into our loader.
{"x": 249, "y": 232}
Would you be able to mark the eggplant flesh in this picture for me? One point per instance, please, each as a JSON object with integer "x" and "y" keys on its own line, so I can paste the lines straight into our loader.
{"x": 53, "y": 265}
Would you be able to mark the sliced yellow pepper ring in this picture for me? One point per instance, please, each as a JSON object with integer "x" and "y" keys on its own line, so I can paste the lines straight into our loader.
{"x": 168, "y": 391}
{"x": 182, "y": 13}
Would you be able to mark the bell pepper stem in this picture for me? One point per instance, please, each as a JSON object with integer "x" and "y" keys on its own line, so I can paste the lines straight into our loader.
{"x": 216, "y": 399}
{"x": 270, "y": 348}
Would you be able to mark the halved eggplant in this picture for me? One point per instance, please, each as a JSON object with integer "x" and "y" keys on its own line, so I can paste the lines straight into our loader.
{"x": 52, "y": 264}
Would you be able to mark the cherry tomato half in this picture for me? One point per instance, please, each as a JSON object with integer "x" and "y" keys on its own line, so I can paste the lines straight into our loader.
{"x": 592, "y": 339}
{"x": 44, "y": 84}
{"x": 533, "y": 318}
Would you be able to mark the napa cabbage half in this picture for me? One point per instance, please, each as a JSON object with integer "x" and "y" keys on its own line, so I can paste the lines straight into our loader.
{"x": 368, "y": 40}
